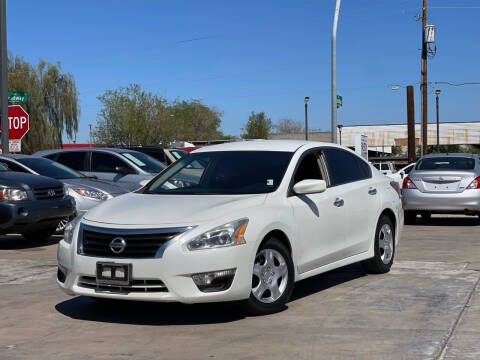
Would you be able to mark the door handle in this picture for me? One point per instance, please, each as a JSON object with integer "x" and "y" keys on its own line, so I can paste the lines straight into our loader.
{"x": 372, "y": 191}
{"x": 338, "y": 202}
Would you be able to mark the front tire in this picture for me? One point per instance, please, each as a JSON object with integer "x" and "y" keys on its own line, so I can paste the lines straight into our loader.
{"x": 384, "y": 247}
{"x": 272, "y": 279}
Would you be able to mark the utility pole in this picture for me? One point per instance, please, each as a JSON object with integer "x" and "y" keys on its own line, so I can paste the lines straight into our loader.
{"x": 424, "y": 84}
{"x": 437, "y": 92}
{"x": 306, "y": 116}
{"x": 90, "y": 126}
{"x": 334, "y": 73}
{"x": 4, "y": 75}
{"x": 410, "y": 125}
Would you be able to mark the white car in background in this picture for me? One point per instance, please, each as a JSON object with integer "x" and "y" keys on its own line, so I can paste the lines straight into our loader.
{"x": 260, "y": 216}
{"x": 401, "y": 174}
{"x": 386, "y": 168}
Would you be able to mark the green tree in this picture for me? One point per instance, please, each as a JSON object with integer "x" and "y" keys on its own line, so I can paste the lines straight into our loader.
{"x": 52, "y": 102}
{"x": 130, "y": 115}
{"x": 258, "y": 126}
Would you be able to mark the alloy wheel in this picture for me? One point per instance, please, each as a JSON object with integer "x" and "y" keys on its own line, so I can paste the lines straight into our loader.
{"x": 385, "y": 243}
{"x": 270, "y": 276}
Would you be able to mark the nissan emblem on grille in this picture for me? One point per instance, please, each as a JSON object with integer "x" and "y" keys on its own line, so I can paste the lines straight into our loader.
{"x": 51, "y": 192}
{"x": 117, "y": 245}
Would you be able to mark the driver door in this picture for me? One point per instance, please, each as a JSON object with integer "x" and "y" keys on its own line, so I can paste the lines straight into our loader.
{"x": 321, "y": 218}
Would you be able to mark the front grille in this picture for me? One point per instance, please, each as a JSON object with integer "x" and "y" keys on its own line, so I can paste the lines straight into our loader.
{"x": 137, "y": 286}
{"x": 137, "y": 245}
{"x": 47, "y": 193}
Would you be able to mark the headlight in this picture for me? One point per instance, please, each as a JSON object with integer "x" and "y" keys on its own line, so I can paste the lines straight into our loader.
{"x": 13, "y": 194}
{"x": 226, "y": 235}
{"x": 70, "y": 228}
{"x": 91, "y": 194}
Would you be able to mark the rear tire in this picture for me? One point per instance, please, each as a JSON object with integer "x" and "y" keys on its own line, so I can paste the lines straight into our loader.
{"x": 38, "y": 236}
{"x": 384, "y": 248}
{"x": 272, "y": 279}
{"x": 410, "y": 217}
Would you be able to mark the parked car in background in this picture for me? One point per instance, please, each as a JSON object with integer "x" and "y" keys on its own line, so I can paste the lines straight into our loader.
{"x": 442, "y": 183}
{"x": 126, "y": 168}
{"x": 32, "y": 205}
{"x": 399, "y": 175}
{"x": 166, "y": 156}
{"x": 87, "y": 192}
{"x": 259, "y": 216}
{"x": 386, "y": 168}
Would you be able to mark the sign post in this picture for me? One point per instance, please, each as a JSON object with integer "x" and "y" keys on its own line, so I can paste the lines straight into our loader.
{"x": 361, "y": 146}
{"x": 18, "y": 126}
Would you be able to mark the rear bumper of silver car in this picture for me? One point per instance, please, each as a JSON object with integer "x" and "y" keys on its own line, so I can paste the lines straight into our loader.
{"x": 466, "y": 201}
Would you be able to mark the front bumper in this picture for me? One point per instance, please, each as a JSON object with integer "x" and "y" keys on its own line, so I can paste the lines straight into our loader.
{"x": 173, "y": 269}
{"x": 468, "y": 200}
{"x": 28, "y": 216}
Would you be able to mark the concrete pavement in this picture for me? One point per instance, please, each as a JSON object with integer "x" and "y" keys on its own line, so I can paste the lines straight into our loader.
{"x": 427, "y": 307}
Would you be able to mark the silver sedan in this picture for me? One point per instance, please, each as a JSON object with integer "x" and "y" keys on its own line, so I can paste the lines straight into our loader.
{"x": 442, "y": 183}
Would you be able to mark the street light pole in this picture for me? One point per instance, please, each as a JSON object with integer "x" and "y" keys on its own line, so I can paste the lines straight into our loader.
{"x": 334, "y": 73}
{"x": 437, "y": 92}
{"x": 306, "y": 116}
{"x": 340, "y": 132}
{"x": 3, "y": 75}
{"x": 90, "y": 126}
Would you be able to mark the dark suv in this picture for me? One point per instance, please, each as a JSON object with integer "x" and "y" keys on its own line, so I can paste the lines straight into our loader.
{"x": 32, "y": 205}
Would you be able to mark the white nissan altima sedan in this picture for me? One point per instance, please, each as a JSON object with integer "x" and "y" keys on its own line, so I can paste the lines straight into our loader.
{"x": 255, "y": 217}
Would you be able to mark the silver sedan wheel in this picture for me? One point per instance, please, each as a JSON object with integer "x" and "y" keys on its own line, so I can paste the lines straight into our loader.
{"x": 385, "y": 243}
{"x": 270, "y": 276}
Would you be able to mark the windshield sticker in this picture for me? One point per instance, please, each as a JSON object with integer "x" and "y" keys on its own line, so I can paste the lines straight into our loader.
{"x": 270, "y": 182}
{"x": 134, "y": 159}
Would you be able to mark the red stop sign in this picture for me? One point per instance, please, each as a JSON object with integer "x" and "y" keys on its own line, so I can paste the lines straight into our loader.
{"x": 18, "y": 122}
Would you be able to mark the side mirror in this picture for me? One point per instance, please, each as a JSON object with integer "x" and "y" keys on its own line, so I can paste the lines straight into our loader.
{"x": 310, "y": 186}
{"x": 122, "y": 170}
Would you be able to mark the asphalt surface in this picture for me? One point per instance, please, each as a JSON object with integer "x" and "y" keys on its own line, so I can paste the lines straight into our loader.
{"x": 427, "y": 307}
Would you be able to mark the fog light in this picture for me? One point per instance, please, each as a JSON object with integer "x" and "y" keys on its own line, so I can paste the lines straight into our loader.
{"x": 61, "y": 274}
{"x": 214, "y": 281}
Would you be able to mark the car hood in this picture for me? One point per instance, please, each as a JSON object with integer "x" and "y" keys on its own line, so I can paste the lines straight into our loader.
{"x": 15, "y": 179}
{"x": 159, "y": 210}
{"x": 101, "y": 185}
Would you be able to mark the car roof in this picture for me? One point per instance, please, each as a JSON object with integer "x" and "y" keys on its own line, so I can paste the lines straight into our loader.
{"x": 20, "y": 156}
{"x": 264, "y": 145}
{"x": 468, "y": 155}
{"x": 116, "y": 150}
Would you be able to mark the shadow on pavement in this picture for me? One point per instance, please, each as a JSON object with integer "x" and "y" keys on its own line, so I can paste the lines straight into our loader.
{"x": 449, "y": 221}
{"x": 327, "y": 280}
{"x": 151, "y": 313}
{"x": 17, "y": 242}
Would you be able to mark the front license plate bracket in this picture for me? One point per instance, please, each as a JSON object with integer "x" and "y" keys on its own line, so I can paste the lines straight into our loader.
{"x": 109, "y": 273}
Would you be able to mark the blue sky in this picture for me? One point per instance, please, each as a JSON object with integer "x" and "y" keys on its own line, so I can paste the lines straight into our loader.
{"x": 257, "y": 55}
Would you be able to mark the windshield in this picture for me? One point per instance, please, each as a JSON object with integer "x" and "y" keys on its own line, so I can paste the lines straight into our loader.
{"x": 446, "y": 163}
{"x": 177, "y": 154}
{"x": 3, "y": 168}
{"x": 222, "y": 173}
{"x": 50, "y": 168}
{"x": 144, "y": 162}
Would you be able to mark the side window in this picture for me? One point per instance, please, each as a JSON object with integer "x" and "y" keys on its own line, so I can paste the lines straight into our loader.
{"x": 408, "y": 169}
{"x": 309, "y": 168}
{"x": 344, "y": 167}
{"x": 12, "y": 166}
{"x": 103, "y": 162}
{"x": 73, "y": 159}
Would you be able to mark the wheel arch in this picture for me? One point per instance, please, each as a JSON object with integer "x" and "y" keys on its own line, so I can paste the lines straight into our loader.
{"x": 281, "y": 236}
{"x": 391, "y": 215}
